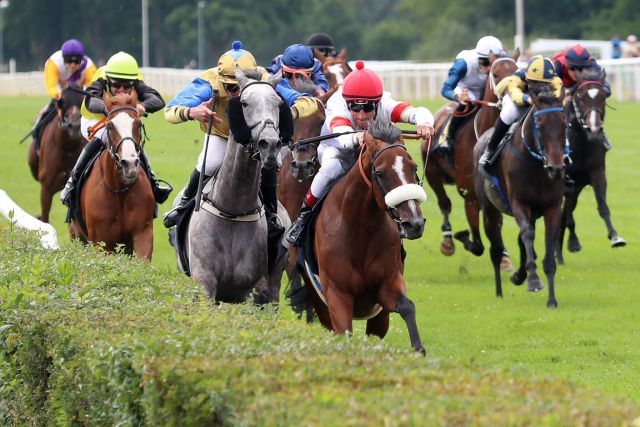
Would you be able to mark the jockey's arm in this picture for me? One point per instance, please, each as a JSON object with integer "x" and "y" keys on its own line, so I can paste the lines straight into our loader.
{"x": 198, "y": 91}
{"x": 94, "y": 102}
{"x": 515, "y": 88}
{"x": 88, "y": 74}
{"x": 421, "y": 117}
{"x": 456, "y": 73}
{"x": 51, "y": 78}
{"x": 149, "y": 97}
{"x": 302, "y": 105}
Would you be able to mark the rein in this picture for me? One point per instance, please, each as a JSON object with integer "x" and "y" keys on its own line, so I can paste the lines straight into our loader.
{"x": 579, "y": 115}
{"x": 540, "y": 155}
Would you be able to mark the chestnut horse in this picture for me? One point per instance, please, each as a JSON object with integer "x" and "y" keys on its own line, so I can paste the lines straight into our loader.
{"x": 440, "y": 170}
{"x": 60, "y": 146}
{"x": 116, "y": 201}
{"x": 586, "y": 117}
{"x": 357, "y": 238}
{"x": 529, "y": 184}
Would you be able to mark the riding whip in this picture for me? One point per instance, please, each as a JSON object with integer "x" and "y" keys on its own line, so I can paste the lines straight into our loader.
{"x": 204, "y": 158}
{"x": 306, "y": 141}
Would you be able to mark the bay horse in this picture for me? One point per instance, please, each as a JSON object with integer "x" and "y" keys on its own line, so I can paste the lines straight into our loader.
{"x": 357, "y": 238}
{"x": 227, "y": 236}
{"x": 528, "y": 184}
{"x": 585, "y": 114}
{"x": 440, "y": 170}
{"x": 116, "y": 201}
{"x": 60, "y": 146}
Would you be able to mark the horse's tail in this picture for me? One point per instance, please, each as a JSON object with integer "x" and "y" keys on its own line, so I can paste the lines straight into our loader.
{"x": 299, "y": 297}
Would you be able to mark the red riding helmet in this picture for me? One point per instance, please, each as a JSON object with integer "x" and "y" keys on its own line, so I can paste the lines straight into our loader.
{"x": 362, "y": 85}
{"x": 577, "y": 56}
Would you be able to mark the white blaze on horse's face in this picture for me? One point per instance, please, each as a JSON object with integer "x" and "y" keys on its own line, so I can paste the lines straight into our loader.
{"x": 123, "y": 124}
{"x": 593, "y": 121}
{"x": 593, "y": 92}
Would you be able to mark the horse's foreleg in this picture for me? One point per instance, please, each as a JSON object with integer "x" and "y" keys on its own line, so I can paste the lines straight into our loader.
{"x": 447, "y": 246}
{"x": 552, "y": 225}
{"x": 340, "y": 308}
{"x": 143, "y": 243}
{"x": 407, "y": 311}
{"x": 527, "y": 236}
{"x": 45, "y": 202}
{"x": 493, "y": 230}
{"x": 473, "y": 245}
{"x": 379, "y": 324}
{"x": 33, "y": 160}
{"x": 599, "y": 183}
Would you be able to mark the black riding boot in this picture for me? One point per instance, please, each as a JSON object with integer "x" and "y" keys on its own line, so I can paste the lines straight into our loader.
{"x": 446, "y": 147}
{"x": 160, "y": 193}
{"x": 499, "y": 132}
{"x": 169, "y": 219}
{"x": 295, "y": 232}
{"x": 268, "y": 188}
{"x": 43, "y": 119}
{"x": 90, "y": 150}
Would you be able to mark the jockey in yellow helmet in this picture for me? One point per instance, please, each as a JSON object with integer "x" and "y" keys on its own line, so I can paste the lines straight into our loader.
{"x": 516, "y": 101}
{"x": 120, "y": 75}
{"x": 208, "y": 96}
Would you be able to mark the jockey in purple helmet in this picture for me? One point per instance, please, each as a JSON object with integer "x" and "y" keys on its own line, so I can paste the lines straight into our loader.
{"x": 298, "y": 60}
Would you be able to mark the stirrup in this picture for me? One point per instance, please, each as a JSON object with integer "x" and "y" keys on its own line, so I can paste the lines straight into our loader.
{"x": 161, "y": 193}
{"x": 274, "y": 226}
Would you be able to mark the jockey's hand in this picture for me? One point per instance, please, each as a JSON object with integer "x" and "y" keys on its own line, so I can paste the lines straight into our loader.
{"x": 202, "y": 113}
{"x": 425, "y": 131}
{"x": 141, "y": 109}
{"x": 358, "y": 139}
{"x": 464, "y": 96}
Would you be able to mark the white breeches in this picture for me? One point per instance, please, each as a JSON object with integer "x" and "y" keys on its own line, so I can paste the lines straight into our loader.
{"x": 85, "y": 124}
{"x": 330, "y": 170}
{"x": 510, "y": 112}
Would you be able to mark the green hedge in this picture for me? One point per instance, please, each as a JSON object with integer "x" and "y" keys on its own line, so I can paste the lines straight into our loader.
{"x": 94, "y": 339}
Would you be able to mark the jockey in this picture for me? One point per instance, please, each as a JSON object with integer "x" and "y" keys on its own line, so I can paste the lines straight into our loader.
{"x": 119, "y": 76}
{"x": 572, "y": 61}
{"x": 322, "y": 46}
{"x": 298, "y": 60}
{"x": 67, "y": 66}
{"x": 466, "y": 82}
{"x": 351, "y": 108}
{"x": 216, "y": 85}
{"x": 516, "y": 101}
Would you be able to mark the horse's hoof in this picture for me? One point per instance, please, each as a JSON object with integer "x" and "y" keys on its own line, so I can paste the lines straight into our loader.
{"x": 552, "y": 304}
{"x": 618, "y": 242}
{"x": 476, "y": 249}
{"x": 534, "y": 285}
{"x": 505, "y": 263}
{"x": 462, "y": 236}
{"x": 421, "y": 350}
{"x": 574, "y": 245}
{"x": 517, "y": 278}
{"x": 447, "y": 246}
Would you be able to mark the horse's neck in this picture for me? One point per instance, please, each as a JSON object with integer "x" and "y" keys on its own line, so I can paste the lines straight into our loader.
{"x": 361, "y": 207}
{"x": 236, "y": 186}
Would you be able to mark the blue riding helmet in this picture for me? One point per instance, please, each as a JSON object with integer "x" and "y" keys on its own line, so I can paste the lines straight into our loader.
{"x": 298, "y": 56}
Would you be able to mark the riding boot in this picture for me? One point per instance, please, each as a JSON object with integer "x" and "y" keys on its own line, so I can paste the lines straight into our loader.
{"x": 160, "y": 193}
{"x": 90, "y": 150}
{"x": 169, "y": 219}
{"x": 268, "y": 188}
{"x": 446, "y": 147}
{"x": 295, "y": 233}
{"x": 499, "y": 132}
{"x": 44, "y": 117}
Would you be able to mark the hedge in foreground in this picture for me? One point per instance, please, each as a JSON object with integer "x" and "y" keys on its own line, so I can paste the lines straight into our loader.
{"x": 94, "y": 339}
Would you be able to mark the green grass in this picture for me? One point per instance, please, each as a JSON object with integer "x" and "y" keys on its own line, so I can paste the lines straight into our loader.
{"x": 591, "y": 339}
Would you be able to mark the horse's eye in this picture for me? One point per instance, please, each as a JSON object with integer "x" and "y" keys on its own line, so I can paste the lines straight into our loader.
{"x": 378, "y": 173}
{"x": 244, "y": 103}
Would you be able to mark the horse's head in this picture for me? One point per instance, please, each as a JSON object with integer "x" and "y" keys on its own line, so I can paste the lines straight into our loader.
{"x": 549, "y": 128}
{"x": 124, "y": 134}
{"x": 262, "y": 110}
{"x": 395, "y": 177}
{"x": 304, "y": 162}
{"x": 69, "y": 106}
{"x": 589, "y": 101}
{"x": 336, "y": 68}
{"x": 503, "y": 66}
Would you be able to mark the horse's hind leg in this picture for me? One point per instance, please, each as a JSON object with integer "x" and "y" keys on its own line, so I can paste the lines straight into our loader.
{"x": 571, "y": 201}
{"x": 552, "y": 224}
{"x": 447, "y": 246}
{"x": 493, "y": 229}
{"x": 379, "y": 324}
{"x": 473, "y": 245}
{"x": 599, "y": 183}
{"x": 33, "y": 160}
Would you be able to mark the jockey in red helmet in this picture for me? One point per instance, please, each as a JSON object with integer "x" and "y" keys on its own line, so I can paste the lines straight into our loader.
{"x": 351, "y": 108}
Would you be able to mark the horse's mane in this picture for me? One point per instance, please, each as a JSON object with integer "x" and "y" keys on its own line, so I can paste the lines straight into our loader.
{"x": 348, "y": 158}
{"x": 71, "y": 98}
{"x": 590, "y": 73}
{"x": 384, "y": 130}
{"x": 544, "y": 92}
{"x": 303, "y": 85}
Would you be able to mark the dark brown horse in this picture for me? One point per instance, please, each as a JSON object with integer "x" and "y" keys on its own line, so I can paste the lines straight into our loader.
{"x": 440, "y": 170}
{"x": 530, "y": 173}
{"x": 357, "y": 239}
{"x": 116, "y": 200}
{"x": 60, "y": 145}
{"x": 586, "y": 117}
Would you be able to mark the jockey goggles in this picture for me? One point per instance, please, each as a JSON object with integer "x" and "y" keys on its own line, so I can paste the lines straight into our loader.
{"x": 576, "y": 67}
{"x": 357, "y": 106}
{"x": 68, "y": 59}
{"x": 289, "y": 72}
{"x": 120, "y": 84}
{"x": 326, "y": 51}
{"x": 484, "y": 61}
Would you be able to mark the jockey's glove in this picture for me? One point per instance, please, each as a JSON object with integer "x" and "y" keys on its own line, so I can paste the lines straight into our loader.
{"x": 357, "y": 139}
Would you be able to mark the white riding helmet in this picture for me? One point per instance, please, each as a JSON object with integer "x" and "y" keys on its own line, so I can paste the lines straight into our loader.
{"x": 489, "y": 45}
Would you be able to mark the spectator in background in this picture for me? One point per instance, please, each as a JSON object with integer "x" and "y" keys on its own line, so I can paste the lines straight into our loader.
{"x": 631, "y": 50}
{"x": 616, "y": 51}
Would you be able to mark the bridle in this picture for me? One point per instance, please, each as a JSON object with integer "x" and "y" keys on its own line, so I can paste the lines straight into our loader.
{"x": 114, "y": 148}
{"x": 574, "y": 102}
{"x": 252, "y": 146}
{"x": 540, "y": 154}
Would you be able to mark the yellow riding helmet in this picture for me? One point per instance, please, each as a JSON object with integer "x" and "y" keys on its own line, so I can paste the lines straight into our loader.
{"x": 122, "y": 66}
{"x": 235, "y": 57}
{"x": 540, "y": 69}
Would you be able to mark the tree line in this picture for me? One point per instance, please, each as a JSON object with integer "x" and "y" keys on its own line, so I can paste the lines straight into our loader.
{"x": 423, "y": 30}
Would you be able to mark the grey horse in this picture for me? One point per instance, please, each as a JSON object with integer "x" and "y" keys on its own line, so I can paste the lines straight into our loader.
{"x": 227, "y": 237}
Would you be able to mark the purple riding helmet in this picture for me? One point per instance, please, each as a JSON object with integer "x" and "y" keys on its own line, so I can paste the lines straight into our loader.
{"x": 72, "y": 47}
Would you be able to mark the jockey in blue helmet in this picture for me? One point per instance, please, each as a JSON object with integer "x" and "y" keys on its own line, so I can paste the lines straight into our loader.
{"x": 298, "y": 60}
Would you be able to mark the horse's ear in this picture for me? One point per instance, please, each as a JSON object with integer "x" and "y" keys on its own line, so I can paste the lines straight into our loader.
{"x": 274, "y": 81}
{"x": 343, "y": 57}
{"x": 603, "y": 75}
{"x": 242, "y": 80}
{"x": 237, "y": 124}
{"x": 285, "y": 123}
{"x": 516, "y": 54}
